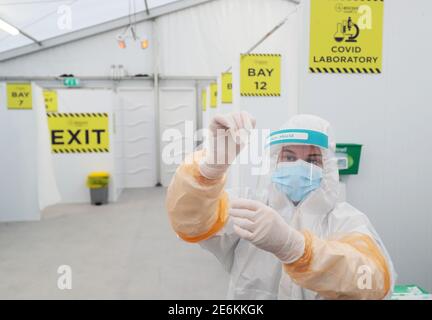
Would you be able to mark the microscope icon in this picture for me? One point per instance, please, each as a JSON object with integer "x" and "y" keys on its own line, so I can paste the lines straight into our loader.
{"x": 347, "y": 30}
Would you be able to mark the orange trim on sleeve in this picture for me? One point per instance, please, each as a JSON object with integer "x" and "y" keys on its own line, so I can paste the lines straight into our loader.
{"x": 361, "y": 243}
{"x": 219, "y": 224}
{"x": 364, "y": 244}
{"x": 302, "y": 264}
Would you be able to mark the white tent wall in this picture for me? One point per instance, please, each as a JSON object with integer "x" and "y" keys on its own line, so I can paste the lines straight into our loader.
{"x": 27, "y": 185}
{"x": 91, "y": 56}
{"x": 205, "y": 40}
{"x": 45, "y": 20}
{"x": 71, "y": 170}
{"x": 390, "y": 115}
{"x": 270, "y": 112}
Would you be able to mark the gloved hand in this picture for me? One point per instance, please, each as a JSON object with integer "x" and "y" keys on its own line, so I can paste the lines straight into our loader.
{"x": 266, "y": 229}
{"x": 228, "y": 135}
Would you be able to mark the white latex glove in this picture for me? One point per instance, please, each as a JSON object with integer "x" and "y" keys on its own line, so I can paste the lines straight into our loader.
{"x": 266, "y": 229}
{"x": 228, "y": 135}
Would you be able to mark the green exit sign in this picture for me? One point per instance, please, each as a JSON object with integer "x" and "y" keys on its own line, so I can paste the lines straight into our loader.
{"x": 71, "y": 82}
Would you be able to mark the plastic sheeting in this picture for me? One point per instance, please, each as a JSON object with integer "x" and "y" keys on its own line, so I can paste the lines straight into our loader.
{"x": 48, "y": 193}
{"x": 27, "y": 183}
{"x": 205, "y": 40}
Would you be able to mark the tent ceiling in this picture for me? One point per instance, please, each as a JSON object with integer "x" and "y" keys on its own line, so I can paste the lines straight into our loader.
{"x": 39, "y": 18}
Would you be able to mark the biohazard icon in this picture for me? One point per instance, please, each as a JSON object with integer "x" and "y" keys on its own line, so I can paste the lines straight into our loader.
{"x": 347, "y": 31}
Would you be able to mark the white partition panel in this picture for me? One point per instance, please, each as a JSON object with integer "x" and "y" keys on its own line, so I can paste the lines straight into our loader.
{"x": 72, "y": 169}
{"x": 136, "y": 138}
{"x": 177, "y": 116}
{"x": 27, "y": 184}
{"x": 48, "y": 191}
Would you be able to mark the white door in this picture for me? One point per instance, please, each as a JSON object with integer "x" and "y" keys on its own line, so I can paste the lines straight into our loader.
{"x": 136, "y": 136}
{"x": 177, "y": 112}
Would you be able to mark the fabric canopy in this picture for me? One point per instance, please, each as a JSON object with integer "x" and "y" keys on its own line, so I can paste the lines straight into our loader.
{"x": 44, "y": 19}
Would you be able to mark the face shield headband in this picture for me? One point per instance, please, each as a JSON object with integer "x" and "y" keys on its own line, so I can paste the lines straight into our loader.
{"x": 297, "y": 136}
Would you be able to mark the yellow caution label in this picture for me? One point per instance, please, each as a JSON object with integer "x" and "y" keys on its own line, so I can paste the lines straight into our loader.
{"x": 226, "y": 84}
{"x": 51, "y": 101}
{"x": 79, "y": 132}
{"x": 213, "y": 95}
{"x": 260, "y": 75}
{"x": 346, "y": 36}
{"x": 19, "y": 96}
{"x": 204, "y": 99}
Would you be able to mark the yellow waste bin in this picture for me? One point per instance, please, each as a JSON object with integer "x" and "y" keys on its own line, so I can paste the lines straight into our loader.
{"x": 98, "y": 183}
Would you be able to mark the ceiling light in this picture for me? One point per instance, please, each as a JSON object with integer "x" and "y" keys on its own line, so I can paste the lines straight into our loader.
{"x": 9, "y": 28}
{"x": 121, "y": 42}
{"x": 144, "y": 44}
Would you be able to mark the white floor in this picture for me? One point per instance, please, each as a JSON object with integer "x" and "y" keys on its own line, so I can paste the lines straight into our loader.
{"x": 125, "y": 250}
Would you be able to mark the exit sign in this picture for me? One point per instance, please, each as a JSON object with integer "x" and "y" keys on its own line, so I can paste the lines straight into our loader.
{"x": 71, "y": 82}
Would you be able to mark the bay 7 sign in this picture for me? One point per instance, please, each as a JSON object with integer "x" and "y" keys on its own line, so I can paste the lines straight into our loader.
{"x": 19, "y": 96}
{"x": 346, "y": 36}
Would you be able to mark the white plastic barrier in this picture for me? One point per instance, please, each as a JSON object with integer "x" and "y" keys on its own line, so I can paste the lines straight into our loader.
{"x": 27, "y": 183}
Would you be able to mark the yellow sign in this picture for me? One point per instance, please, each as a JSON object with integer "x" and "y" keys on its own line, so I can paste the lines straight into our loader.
{"x": 204, "y": 99}
{"x": 79, "y": 132}
{"x": 51, "y": 101}
{"x": 346, "y": 36}
{"x": 213, "y": 95}
{"x": 19, "y": 96}
{"x": 260, "y": 75}
{"x": 226, "y": 87}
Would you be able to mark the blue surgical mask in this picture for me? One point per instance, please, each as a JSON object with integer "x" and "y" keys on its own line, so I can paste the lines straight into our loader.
{"x": 297, "y": 179}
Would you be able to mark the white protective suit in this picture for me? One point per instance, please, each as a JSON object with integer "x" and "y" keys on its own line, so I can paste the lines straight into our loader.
{"x": 344, "y": 258}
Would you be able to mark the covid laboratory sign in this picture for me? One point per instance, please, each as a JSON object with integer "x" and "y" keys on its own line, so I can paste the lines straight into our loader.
{"x": 346, "y": 36}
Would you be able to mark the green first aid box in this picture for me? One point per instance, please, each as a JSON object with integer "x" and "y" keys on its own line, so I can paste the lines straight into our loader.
{"x": 409, "y": 289}
{"x": 348, "y": 155}
{"x": 410, "y": 292}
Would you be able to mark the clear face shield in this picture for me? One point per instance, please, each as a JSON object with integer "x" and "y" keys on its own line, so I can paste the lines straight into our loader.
{"x": 295, "y": 162}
